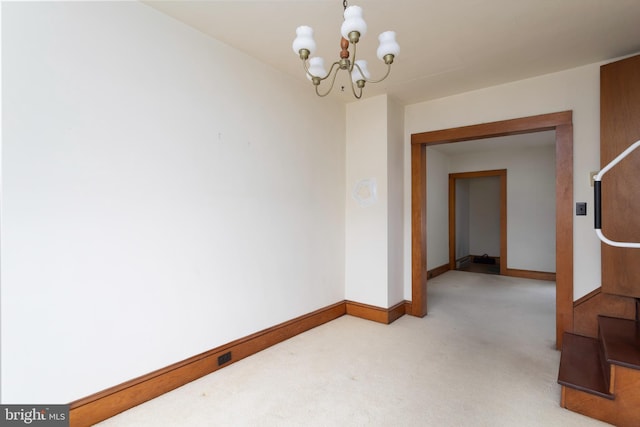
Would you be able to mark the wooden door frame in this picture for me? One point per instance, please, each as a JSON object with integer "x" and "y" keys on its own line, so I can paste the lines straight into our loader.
{"x": 562, "y": 123}
{"x": 502, "y": 174}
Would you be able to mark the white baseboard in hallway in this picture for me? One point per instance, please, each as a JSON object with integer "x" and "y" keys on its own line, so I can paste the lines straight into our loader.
{"x": 483, "y": 356}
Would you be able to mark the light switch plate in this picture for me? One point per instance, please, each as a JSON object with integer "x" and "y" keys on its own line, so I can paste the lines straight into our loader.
{"x": 581, "y": 208}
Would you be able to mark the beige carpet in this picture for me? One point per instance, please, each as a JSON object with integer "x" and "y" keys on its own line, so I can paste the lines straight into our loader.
{"x": 484, "y": 356}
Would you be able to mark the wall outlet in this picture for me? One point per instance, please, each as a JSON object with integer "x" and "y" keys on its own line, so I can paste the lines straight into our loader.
{"x": 224, "y": 358}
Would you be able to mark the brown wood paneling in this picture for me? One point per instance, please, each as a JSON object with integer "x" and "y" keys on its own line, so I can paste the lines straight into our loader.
{"x": 619, "y": 128}
{"x": 588, "y": 404}
{"x": 418, "y": 230}
{"x": 588, "y": 308}
{"x": 583, "y": 299}
{"x": 622, "y": 411}
{"x": 107, "y": 403}
{"x": 627, "y": 386}
{"x": 561, "y": 122}
{"x": 564, "y": 230}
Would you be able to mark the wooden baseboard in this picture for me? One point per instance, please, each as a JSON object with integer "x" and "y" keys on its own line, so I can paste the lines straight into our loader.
{"x": 408, "y": 307}
{"x": 105, "y": 404}
{"x": 529, "y": 274}
{"x": 376, "y": 314}
{"x": 437, "y": 271}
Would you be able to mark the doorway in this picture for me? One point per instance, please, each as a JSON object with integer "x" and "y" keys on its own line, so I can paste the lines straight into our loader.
{"x": 485, "y": 253}
{"x": 562, "y": 123}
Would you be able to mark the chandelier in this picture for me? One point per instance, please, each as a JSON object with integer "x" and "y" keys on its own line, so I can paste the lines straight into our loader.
{"x": 352, "y": 29}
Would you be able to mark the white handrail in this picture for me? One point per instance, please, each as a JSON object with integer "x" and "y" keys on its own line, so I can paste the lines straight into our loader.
{"x": 597, "y": 198}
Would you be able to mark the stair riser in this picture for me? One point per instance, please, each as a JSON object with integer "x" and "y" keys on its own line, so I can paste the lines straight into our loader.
{"x": 588, "y": 404}
{"x": 622, "y": 411}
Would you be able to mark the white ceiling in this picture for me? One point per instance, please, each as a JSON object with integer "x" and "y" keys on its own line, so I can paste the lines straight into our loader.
{"x": 447, "y": 46}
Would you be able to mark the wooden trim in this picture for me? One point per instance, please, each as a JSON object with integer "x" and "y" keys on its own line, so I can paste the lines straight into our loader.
{"x": 502, "y": 173}
{"x": 435, "y": 272}
{"x": 112, "y": 401}
{"x": 376, "y": 314}
{"x": 593, "y": 294}
{"x": 621, "y": 411}
{"x": 478, "y": 174}
{"x": 530, "y": 274}
{"x": 408, "y": 307}
{"x": 561, "y": 122}
{"x": 564, "y": 230}
{"x": 619, "y": 128}
{"x": 397, "y": 311}
{"x": 418, "y": 230}
{"x": 494, "y": 129}
{"x": 452, "y": 223}
{"x": 503, "y": 223}
{"x": 598, "y": 303}
{"x": 105, "y": 404}
{"x": 612, "y": 379}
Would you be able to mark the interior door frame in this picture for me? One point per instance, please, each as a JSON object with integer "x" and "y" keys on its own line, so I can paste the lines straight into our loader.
{"x": 502, "y": 174}
{"x": 562, "y": 123}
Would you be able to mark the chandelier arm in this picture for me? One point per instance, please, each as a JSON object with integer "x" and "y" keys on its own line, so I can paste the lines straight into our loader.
{"x": 306, "y": 70}
{"x": 353, "y": 88}
{"x": 354, "y": 27}
{"x": 333, "y": 80}
{"x": 379, "y": 80}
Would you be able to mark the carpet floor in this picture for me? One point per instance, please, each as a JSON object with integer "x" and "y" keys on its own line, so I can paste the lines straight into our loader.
{"x": 483, "y": 356}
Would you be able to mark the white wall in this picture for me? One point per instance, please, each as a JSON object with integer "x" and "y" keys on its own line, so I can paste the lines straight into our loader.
{"x": 395, "y": 159}
{"x": 477, "y": 216}
{"x": 531, "y": 200}
{"x": 367, "y": 267}
{"x": 577, "y": 90}
{"x": 374, "y": 229}
{"x": 163, "y": 194}
{"x": 437, "y": 213}
{"x": 484, "y": 216}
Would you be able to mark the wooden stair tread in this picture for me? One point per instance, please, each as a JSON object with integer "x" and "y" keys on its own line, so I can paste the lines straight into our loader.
{"x": 580, "y": 366}
{"x": 620, "y": 340}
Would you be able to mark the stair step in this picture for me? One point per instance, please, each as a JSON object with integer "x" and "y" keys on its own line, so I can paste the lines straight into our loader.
{"x": 581, "y": 367}
{"x": 620, "y": 340}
